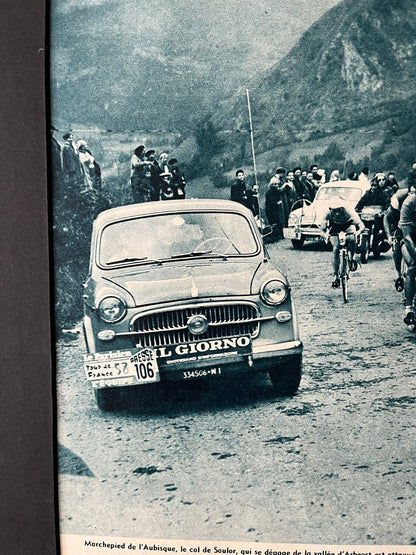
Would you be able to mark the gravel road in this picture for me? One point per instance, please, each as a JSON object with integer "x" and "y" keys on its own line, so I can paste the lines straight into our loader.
{"x": 226, "y": 460}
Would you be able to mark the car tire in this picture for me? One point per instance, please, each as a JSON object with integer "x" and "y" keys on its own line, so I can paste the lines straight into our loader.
{"x": 286, "y": 375}
{"x": 298, "y": 243}
{"x": 364, "y": 249}
{"x": 108, "y": 399}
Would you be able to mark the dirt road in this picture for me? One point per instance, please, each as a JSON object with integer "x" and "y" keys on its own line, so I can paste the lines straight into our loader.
{"x": 225, "y": 460}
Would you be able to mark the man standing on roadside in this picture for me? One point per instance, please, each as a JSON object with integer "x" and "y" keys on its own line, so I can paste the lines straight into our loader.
{"x": 243, "y": 195}
{"x": 71, "y": 164}
{"x": 275, "y": 208}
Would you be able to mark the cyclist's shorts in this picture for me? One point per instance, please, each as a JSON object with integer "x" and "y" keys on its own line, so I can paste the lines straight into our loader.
{"x": 348, "y": 227}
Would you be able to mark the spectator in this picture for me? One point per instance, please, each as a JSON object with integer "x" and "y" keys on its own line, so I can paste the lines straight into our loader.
{"x": 297, "y": 183}
{"x": 71, "y": 165}
{"x": 322, "y": 176}
{"x": 334, "y": 176}
{"x": 392, "y": 182}
{"x": 155, "y": 171}
{"x": 363, "y": 177}
{"x": 163, "y": 162}
{"x": 166, "y": 189}
{"x": 243, "y": 195}
{"x": 139, "y": 166}
{"x": 178, "y": 182}
{"x": 309, "y": 188}
{"x": 274, "y": 204}
{"x": 87, "y": 161}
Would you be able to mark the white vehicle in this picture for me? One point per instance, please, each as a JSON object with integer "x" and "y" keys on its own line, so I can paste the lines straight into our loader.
{"x": 305, "y": 217}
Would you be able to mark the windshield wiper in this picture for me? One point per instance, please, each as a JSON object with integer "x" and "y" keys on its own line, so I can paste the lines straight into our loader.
{"x": 133, "y": 259}
{"x": 198, "y": 253}
{"x": 192, "y": 253}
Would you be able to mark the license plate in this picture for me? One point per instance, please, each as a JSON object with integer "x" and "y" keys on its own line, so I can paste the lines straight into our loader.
{"x": 289, "y": 233}
{"x": 367, "y": 217}
{"x": 136, "y": 366}
{"x": 202, "y": 373}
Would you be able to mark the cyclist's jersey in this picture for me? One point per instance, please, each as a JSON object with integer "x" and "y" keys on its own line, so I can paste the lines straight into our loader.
{"x": 392, "y": 216}
{"x": 340, "y": 220}
{"x": 408, "y": 213}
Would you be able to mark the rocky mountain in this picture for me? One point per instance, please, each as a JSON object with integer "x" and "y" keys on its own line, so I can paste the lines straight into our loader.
{"x": 355, "y": 66}
{"x": 130, "y": 64}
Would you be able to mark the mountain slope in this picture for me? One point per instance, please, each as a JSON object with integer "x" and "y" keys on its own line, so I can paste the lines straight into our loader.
{"x": 130, "y": 64}
{"x": 355, "y": 65}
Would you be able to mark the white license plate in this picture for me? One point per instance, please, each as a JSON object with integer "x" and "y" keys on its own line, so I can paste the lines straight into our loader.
{"x": 136, "y": 366}
{"x": 289, "y": 233}
{"x": 367, "y": 217}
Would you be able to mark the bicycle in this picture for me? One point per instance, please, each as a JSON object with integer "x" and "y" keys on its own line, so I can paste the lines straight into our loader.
{"x": 346, "y": 263}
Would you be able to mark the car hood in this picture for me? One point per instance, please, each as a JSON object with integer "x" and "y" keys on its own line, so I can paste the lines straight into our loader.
{"x": 313, "y": 213}
{"x": 179, "y": 281}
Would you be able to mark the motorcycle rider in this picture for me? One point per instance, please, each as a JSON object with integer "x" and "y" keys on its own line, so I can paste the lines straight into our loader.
{"x": 340, "y": 218}
{"x": 375, "y": 196}
{"x": 407, "y": 224}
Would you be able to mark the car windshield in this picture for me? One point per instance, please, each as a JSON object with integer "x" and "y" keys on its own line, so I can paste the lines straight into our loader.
{"x": 172, "y": 236}
{"x": 347, "y": 193}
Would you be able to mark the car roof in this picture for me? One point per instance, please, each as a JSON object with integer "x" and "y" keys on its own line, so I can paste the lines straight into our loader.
{"x": 348, "y": 183}
{"x": 168, "y": 206}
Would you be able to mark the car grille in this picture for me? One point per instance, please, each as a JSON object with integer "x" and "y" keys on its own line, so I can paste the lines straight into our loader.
{"x": 169, "y": 327}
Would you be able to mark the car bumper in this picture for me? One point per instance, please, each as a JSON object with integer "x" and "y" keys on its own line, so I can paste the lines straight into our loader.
{"x": 303, "y": 232}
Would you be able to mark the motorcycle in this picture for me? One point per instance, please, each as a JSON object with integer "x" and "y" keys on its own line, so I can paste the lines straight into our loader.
{"x": 373, "y": 237}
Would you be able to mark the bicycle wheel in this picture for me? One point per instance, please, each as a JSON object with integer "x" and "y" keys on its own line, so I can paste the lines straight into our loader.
{"x": 344, "y": 275}
{"x": 364, "y": 249}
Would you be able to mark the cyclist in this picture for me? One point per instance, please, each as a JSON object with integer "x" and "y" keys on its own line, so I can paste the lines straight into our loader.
{"x": 394, "y": 233}
{"x": 407, "y": 224}
{"x": 340, "y": 218}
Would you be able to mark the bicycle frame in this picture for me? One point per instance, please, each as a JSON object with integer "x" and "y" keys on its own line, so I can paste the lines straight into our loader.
{"x": 344, "y": 264}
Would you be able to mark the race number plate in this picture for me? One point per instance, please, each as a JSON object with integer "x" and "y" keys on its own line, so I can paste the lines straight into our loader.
{"x": 115, "y": 368}
{"x": 367, "y": 217}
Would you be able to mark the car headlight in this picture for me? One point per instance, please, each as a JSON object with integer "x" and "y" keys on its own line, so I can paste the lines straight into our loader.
{"x": 293, "y": 220}
{"x": 111, "y": 309}
{"x": 274, "y": 292}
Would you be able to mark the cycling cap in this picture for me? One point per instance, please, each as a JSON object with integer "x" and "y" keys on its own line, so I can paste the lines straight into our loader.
{"x": 335, "y": 202}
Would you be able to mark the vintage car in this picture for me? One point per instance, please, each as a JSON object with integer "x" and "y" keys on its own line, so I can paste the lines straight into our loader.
{"x": 305, "y": 218}
{"x": 182, "y": 290}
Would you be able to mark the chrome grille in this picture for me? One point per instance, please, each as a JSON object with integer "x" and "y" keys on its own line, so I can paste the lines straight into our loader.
{"x": 169, "y": 327}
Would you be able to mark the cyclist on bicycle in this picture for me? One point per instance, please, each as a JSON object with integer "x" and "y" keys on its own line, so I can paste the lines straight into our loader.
{"x": 394, "y": 233}
{"x": 340, "y": 218}
{"x": 407, "y": 224}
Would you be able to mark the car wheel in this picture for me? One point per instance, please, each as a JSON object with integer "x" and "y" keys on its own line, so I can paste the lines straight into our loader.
{"x": 298, "y": 243}
{"x": 108, "y": 399}
{"x": 286, "y": 375}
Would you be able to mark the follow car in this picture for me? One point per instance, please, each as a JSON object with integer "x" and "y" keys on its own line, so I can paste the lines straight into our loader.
{"x": 184, "y": 290}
